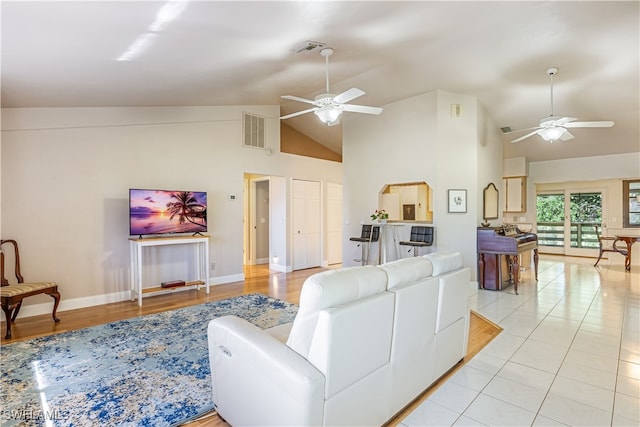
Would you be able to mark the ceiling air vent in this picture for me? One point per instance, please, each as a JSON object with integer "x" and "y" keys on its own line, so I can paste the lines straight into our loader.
{"x": 253, "y": 135}
{"x": 505, "y": 129}
{"x": 308, "y": 46}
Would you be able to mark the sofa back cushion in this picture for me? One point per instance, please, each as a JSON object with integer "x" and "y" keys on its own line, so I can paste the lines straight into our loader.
{"x": 407, "y": 270}
{"x": 331, "y": 288}
{"x": 444, "y": 262}
{"x": 453, "y": 297}
{"x": 453, "y": 289}
{"x": 352, "y": 341}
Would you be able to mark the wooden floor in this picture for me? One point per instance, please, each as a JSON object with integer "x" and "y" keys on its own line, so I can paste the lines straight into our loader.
{"x": 284, "y": 286}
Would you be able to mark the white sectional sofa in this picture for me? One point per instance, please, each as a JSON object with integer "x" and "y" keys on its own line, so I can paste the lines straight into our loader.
{"x": 365, "y": 342}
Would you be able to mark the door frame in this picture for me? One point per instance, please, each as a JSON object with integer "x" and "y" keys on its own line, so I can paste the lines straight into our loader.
{"x": 249, "y": 217}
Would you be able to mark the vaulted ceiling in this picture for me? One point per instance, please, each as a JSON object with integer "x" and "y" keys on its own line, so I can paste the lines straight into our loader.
{"x": 66, "y": 54}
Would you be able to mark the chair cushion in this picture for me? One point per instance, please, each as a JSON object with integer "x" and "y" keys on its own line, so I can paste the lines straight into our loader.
{"x": 24, "y": 288}
{"x": 410, "y": 243}
{"x": 444, "y": 262}
{"x": 330, "y": 289}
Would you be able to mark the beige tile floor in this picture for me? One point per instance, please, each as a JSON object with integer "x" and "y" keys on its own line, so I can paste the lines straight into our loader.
{"x": 569, "y": 353}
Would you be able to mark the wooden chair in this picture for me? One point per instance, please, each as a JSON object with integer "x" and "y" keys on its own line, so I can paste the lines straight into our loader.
{"x": 13, "y": 294}
{"x": 610, "y": 244}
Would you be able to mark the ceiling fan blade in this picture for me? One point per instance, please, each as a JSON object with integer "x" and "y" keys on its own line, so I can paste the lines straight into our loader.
{"x": 299, "y": 113}
{"x": 348, "y": 95}
{"x": 564, "y": 120}
{"x": 362, "y": 109}
{"x": 297, "y": 98}
{"x": 521, "y": 130}
{"x": 602, "y": 124}
{"x": 525, "y": 136}
{"x": 566, "y": 135}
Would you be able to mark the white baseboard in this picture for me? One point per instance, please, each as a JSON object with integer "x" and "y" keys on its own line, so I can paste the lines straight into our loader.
{"x": 72, "y": 304}
{"x": 84, "y": 302}
{"x": 278, "y": 267}
{"x": 220, "y": 280}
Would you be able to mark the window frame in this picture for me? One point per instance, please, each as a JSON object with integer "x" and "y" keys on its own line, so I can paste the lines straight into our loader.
{"x": 626, "y": 203}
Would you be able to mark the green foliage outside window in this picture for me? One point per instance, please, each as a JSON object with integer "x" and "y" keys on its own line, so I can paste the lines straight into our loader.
{"x": 550, "y": 208}
{"x": 586, "y": 208}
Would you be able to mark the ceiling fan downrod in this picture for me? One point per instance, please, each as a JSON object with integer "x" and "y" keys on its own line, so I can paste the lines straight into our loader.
{"x": 326, "y": 53}
{"x": 552, "y": 72}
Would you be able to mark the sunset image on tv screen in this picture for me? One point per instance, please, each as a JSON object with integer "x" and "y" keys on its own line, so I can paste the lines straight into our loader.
{"x": 164, "y": 212}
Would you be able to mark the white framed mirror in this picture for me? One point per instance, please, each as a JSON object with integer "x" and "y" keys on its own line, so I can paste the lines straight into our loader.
{"x": 490, "y": 202}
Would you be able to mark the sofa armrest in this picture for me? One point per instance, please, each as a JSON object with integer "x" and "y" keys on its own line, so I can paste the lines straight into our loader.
{"x": 258, "y": 380}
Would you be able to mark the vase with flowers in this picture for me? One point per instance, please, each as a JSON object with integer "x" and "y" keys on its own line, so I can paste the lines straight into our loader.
{"x": 380, "y": 216}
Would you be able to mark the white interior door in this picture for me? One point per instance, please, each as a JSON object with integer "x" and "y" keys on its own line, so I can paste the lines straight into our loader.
{"x": 334, "y": 223}
{"x": 306, "y": 214}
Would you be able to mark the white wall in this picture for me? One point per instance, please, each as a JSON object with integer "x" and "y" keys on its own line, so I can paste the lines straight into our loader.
{"x": 396, "y": 146}
{"x": 66, "y": 174}
{"x": 586, "y": 170}
{"x": 490, "y": 170}
{"x": 414, "y": 140}
{"x": 457, "y": 167}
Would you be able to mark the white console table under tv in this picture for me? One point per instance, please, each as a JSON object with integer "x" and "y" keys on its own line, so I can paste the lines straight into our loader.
{"x": 136, "y": 251}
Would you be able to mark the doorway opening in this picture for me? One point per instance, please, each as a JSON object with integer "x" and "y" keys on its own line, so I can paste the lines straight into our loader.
{"x": 256, "y": 236}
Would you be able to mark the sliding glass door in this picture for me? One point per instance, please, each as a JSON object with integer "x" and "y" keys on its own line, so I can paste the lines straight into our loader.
{"x": 584, "y": 215}
{"x": 566, "y": 221}
{"x": 550, "y": 222}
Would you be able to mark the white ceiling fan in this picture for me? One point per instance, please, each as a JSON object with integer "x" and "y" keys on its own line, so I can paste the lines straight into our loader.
{"x": 552, "y": 127}
{"x": 328, "y": 106}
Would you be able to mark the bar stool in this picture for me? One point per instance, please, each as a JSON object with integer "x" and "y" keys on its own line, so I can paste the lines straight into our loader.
{"x": 366, "y": 237}
{"x": 420, "y": 237}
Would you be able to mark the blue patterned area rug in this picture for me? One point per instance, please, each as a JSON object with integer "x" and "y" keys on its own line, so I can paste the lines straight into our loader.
{"x": 146, "y": 371}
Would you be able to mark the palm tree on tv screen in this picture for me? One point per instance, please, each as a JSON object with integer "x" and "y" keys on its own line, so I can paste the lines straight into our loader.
{"x": 187, "y": 208}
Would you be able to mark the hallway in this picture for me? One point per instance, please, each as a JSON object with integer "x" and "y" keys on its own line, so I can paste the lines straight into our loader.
{"x": 569, "y": 353}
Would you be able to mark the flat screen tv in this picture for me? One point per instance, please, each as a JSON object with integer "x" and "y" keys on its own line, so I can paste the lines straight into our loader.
{"x": 166, "y": 212}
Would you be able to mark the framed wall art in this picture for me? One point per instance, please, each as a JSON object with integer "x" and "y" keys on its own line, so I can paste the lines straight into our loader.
{"x": 457, "y": 201}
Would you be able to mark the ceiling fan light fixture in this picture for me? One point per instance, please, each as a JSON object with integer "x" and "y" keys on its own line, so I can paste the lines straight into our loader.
{"x": 551, "y": 134}
{"x": 327, "y": 114}
{"x": 552, "y": 127}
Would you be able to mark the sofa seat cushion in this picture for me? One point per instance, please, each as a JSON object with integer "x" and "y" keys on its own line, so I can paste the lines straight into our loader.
{"x": 443, "y": 262}
{"x": 331, "y": 288}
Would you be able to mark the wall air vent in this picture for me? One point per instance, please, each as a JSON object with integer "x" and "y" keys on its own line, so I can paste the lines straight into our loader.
{"x": 308, "y": 46}
{"x": 505, "y": 129}
{"x": 253, "y": 131}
